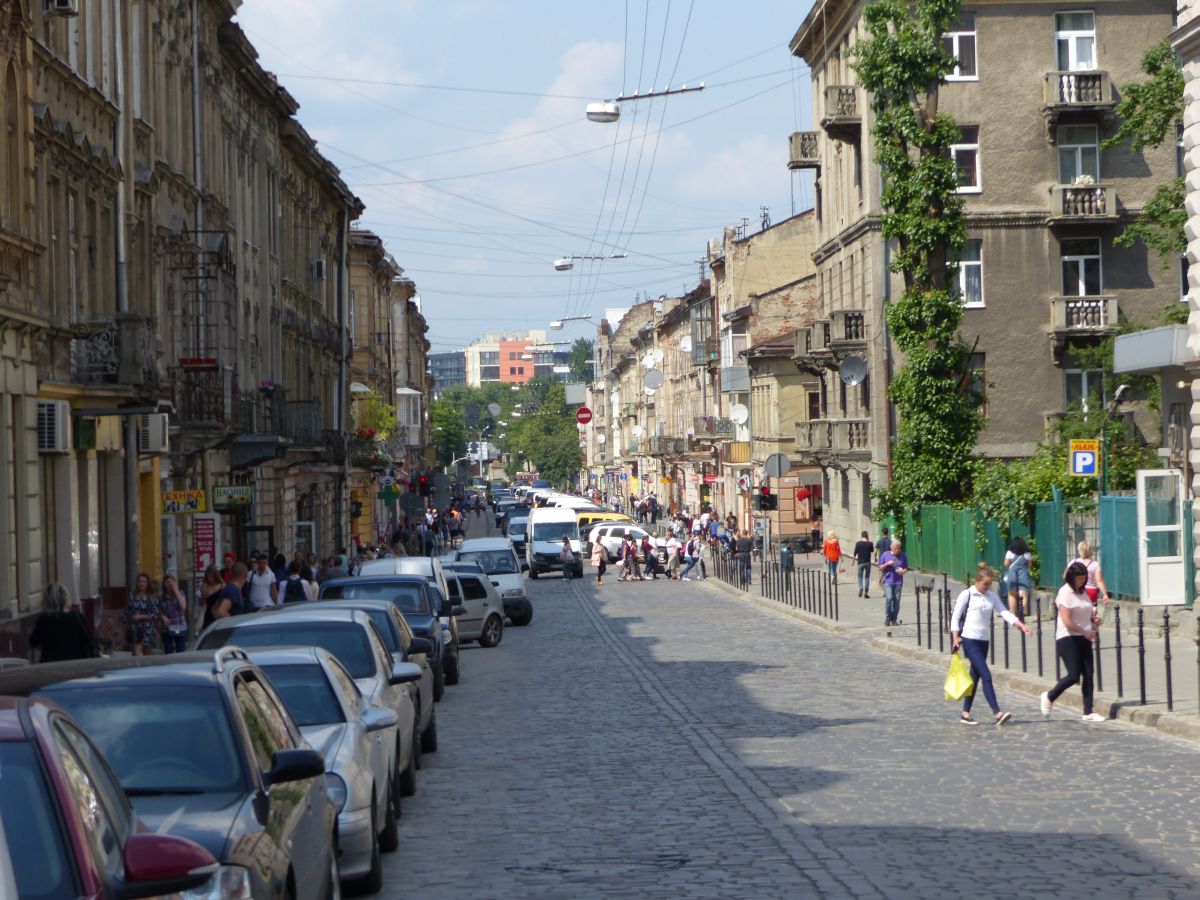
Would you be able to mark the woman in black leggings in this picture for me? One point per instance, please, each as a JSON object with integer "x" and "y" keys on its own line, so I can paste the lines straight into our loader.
{"x": 1077, "y": 623}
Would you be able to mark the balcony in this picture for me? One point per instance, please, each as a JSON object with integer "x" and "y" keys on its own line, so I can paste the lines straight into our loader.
{"x": 848, "y": 332}
{"x": 735, "y": 379}
{"x": 1082, "y": 204}
{"x": 1083, "y": 316}
{"x": 735, "y": 452}
{"x": 705, "y": 351}
{"x": 205, "y": 397}
{"x": 114, "y": 351}
{"x": 828, "y": 438}
{"x": 302, "y": 421}
{"x": 842, "y": 119}
{"x": 665, "y": 446}
{"x": 804, "y": 150}
{"x": 1071, "y": 92}
{"x": 713, "y": 428}
{"x": 813, "y": 353}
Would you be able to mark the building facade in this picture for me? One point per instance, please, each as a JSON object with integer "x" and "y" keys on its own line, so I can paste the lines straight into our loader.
{"x": 447, "y": 370}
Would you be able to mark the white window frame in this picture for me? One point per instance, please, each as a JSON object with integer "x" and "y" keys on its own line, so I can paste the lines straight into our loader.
{"x": 1085, "y": 376}
{"x": 1072, "y": 36}
{"x": 961, "y": 275}
{"x": 967, "y": 147}
{"x": 1065, "y": 146}
{"x": 954, "y": 37}
{"x": 1065, "y": 258}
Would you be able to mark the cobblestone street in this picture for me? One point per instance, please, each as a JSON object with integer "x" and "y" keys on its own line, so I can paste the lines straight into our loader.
{"x": 666, "y": 739}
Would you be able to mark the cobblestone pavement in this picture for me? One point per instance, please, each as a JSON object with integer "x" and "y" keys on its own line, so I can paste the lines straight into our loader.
{"x": 668, "y": 740}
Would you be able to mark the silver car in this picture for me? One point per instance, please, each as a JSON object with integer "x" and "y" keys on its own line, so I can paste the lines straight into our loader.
{"x": 347, "y": 731}
{"x": 351, "y": 637}
{"x": 483, "y": 609}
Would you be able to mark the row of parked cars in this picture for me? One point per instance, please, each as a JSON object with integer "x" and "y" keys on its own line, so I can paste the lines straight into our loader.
{"x": 270, "y": 762}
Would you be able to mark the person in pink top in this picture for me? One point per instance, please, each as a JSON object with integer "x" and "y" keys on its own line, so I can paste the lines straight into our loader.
{"x": 1077, "y": 624}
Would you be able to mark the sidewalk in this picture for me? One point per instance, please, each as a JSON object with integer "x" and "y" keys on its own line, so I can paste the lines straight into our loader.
{"x": 862, "y": 618}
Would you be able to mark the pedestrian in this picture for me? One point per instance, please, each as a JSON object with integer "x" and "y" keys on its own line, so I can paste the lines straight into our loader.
{"x": 567, "y": 557}
{"x": 882, "y": 546}
{"x": 672, "y": 556}
{"x": 295, "y": 589}
{"x": 742, "y": 548}
{"x": 209, "y": 590}
{"x": 173, "y": 616}
{"x": 832, "y": 551}
{"x": 59, "y": 631}
{"x": 649, "y": 559}
{"x": 629, "y": 560}
{"x": 862, "y": 558}
{"x": 261, "y": 590}
{"x": 893, "y": 565}
{"x": 1073, "y": 637}
{"x": 227, "y": 569}
{"x": 691, "y": 555}
{"x": 1095, "y": 587}
{"x": 1019, "y": 578}
{"x": 599, "y": 560}
{"x": 971, "y": 629}
{"x": 141, "y": 616}
{"x": 279, "y": 566}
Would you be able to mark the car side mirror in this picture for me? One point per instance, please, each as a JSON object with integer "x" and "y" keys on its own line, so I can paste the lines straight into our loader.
{"x": 157, "y": 864}
{"x": 294, "y": 765}
{"x": 420, "y": 645}
{"x": 404, "y": 673}
{"x": 378, "y": 718}
{"x": 447, "y": 608}
{"x": 458, "y": 611}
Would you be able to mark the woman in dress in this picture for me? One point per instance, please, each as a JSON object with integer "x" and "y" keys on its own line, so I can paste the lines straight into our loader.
{"x": 209, "y": 596}
{"x": 141, "y": 616}
{"x": 60, "y": 631}
{"x": 172, "y": 610}
{"x": 1019, "y": 578}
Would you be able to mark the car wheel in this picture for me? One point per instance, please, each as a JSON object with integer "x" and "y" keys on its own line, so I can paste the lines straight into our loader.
{"x": 429, "y": 736}
{"x": 452, "y": 670}
{"x": 373, "y": 880}
{"x": 389, "y": 838}
{"x": 408, "y": 778}
{"x": 439, "y": 683}
{"x": 493, "y": 632}
{"x": 533, "y": 573}
{"x": 524, "y": 619}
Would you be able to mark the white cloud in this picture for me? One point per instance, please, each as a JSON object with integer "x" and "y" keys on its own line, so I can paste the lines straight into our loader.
{"x": 736, "y": 173}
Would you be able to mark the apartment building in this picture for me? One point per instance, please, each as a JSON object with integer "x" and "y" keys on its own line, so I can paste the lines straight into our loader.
{"x": 447, "y": 370}
{"x": 1034, "y": 94}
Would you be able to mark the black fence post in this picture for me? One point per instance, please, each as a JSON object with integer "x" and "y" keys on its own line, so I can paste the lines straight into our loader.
{"x": 917, "y": 591}
{"x": 1167, "y": 657}
{"x": 1039, "y": 634}
{"x": 1120, "y": 678}
{"x": 992, "y": 637}
{"x": 941, "y": 621}
{"x": 1099, "y": 670}
{"x": 929, "y": 617}
{"x": 1006, "y": 665}
{"x": 1142, "y": 653}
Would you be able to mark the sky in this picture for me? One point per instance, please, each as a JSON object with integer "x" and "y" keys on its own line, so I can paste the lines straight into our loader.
{"x": 461, "y": 126}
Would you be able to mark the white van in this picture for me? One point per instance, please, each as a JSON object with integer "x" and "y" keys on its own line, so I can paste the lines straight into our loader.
{"x": 548, "y": 525}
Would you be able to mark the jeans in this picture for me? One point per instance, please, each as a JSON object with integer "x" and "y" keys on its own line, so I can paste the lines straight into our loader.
{"x": 864, "y": 577}
{"x": 174, "y": 642}
{"x": 832, "y": 564}
{"x": 691, "y": 564}
{"x": 891, "y": 601}
{"x": 1076, "y": 654}
{"x": 743, "y": 566}
{"x": 976, "y": 654}
{"x": 568, "y": 570}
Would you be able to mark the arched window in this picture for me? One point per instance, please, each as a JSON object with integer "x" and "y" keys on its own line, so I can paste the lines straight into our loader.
{"x": 11, "y": 157}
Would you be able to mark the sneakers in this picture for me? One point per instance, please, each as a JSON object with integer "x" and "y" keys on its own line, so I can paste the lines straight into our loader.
{"x": 867, "y": 596}
{"x": 1094, "y": 717}
{"x": 967, "y": 720}
{"x": 860, "y": 592}
{"x": 685, "y": 578}
{"x": 1002, "y": 718}
{"x": 1045, "y": 702}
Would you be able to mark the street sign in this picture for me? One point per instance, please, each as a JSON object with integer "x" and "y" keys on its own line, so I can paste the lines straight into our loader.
{"x": 232, "y": 495}
{"x": 583, "y": 415}
{"x": 710, "y": 478}
{"x": 1083, "y": 458}
{"x": 204, "y": 544}
{"x": 776, "y": 465}
{"x": 744, "y": 482}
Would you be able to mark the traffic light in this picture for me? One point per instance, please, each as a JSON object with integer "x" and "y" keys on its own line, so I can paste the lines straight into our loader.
{"x": 423, "y": 486}
{"x": 767, "y": 500}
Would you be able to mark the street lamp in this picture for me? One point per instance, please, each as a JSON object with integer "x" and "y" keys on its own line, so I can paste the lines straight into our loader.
{"x": 608, "y": 111}
{"x": 557, "y": 324}
{"x": 567, "y": 263}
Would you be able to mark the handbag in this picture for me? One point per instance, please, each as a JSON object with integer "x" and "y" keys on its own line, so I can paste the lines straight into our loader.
{"x": 958, "y": 680}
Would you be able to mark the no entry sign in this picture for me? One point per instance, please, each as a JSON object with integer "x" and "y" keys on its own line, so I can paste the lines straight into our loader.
{"x": 583, "y": 415}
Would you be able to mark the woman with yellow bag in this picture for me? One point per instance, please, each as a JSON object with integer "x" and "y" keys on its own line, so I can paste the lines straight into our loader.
{"x": 970, "y": 628}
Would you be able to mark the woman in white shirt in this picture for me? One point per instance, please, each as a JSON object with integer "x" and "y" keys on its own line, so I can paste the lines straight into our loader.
{"x": 970, "y": 628}
{"x": 1077, "y": 623}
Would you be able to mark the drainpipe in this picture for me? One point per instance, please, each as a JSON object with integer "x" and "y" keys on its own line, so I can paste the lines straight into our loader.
{"x": 198, "y": 174}
{"x": 339, "y": 398}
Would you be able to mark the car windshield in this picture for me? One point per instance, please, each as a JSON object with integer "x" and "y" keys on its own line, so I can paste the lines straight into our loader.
{"x": 345, "y": 640}
{"x": 493, "y": 562}
{"x": 306, "y": 691}
{"x": 158, "y": 739}
{"x": 556, "y": 531}
{"x": 517, "y": 527}
{"x": 407, "y": 596}
{"x": 35, "y": 841}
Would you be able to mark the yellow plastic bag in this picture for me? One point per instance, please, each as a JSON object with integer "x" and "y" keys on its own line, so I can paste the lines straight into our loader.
{"x": 958, "y": 679}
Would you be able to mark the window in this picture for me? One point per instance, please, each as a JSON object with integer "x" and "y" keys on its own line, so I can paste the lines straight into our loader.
{"x": 512, "y": 355}
{"x": 98, "y": 820}
{"x": 1075, "y": 41}
{"x": 966, "y": 159}
{"x": 512, "y": 370}
{"x": 814, "y": 405}
{"x": 1085, "y": 388}
{"x": 473, "y": 589}
{"x": 960, "y": 43}
{"x": 1081, "y": 268}
{"x": 10, "y": 150}
{"x": 73, "y": 257}
{"x": 1180, "y": 150}
{"x": 969, "y": 274}
{"x": 1078, "y": 153}
{"x": 263, "y": 737}
{"x": 520, "y": 370}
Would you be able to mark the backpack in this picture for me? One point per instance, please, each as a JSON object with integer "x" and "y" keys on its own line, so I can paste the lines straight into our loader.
{"x": 294, "y": 592}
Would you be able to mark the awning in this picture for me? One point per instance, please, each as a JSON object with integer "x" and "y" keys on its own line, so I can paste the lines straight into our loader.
{"x": 407, "y": 392}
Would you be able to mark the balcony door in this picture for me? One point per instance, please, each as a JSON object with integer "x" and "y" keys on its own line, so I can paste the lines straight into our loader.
{"x": 1078, "y": 153}
{"x": 1075, "y": 41}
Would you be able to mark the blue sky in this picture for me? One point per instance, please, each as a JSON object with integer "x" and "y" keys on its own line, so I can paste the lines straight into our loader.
{"x": 477, "y": 193}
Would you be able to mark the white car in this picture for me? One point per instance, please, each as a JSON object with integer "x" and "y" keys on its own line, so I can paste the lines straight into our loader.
{"x": 611, "y": 535}
{"x": 499, "y": 562}
{"x": 347, "y": 731}
{"x": 482, "y": 618}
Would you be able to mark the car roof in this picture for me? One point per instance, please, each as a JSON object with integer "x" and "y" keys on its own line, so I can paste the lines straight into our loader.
{"x": 308, "y": 612}
{"x": 173, "y": 669}
{"x": 288, "y": 656}
{"x": 487, "y": 543}
{"x": 399, "y": 565}
{"x": 406, "y": 578}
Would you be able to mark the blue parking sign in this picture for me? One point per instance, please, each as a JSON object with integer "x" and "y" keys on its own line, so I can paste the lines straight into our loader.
{"x": 1083, "y": 458}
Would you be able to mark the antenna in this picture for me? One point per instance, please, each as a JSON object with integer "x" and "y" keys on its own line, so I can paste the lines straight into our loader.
{"x": 765, "y": 214}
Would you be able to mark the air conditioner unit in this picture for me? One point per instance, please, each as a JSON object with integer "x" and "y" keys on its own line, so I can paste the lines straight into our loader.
{"x": 60, "y": 7}
{"x": 152, "y": 433}
{"x": 318, "y": 269}
{"x": 53, "y": 426}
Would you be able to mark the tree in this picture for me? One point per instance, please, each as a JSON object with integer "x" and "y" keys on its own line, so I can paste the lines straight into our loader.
{"x": 903, "y": 63}
{"x": 579, "y": 360}
{"x": 1149, "y": 113}
{"x": 449, "y": 434}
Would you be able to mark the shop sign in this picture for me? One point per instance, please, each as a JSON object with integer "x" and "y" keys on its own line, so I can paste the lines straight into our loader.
{"x": 232, "y": 495}
{"x": 183, "y": 503}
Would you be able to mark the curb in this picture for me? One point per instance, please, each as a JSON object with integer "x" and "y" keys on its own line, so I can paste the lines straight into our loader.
{"x": 1122, "y": 710}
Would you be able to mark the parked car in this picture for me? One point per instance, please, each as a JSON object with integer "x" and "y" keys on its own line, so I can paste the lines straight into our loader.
{"x": 589, "y": 518}
{"x": 498, "y": 560}
{"x": 428, "y": 568}
{"x": 516, "y": 533}
{"x": 206, "y": 750}
{"x": 404, "y": 646}
{"x": 339, "y": 722}
{"x": 610, "y": 537}
{"x": 349, "y": 636}
{"x": 547, "y": 528}
{"x": 482, "y": 618}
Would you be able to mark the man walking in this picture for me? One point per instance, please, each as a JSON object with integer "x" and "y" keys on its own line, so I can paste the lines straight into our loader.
{"x": 863, "y": 551}
{"x": 261, "y": 589}
{"x": 742, "y": 547}
{"x": 893, "y": 564}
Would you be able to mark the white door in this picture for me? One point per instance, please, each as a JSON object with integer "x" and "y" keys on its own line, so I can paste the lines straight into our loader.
{"x": 304, "y": 537}
{"x": 1162, "y": 568}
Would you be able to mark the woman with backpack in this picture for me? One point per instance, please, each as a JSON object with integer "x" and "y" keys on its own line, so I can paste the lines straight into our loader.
{"x": 1018, "y": 576}
{"x": 971, "y": 629}
{"x": 691, "y": 555}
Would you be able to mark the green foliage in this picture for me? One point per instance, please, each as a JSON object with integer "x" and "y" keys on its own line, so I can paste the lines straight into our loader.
{"x": 449, "y": 434}
{"x": 902, "y": 64}
{"x": 370, "y": 412}
{"x": 1174, "y": 313}
{"x": 581, "y": 352}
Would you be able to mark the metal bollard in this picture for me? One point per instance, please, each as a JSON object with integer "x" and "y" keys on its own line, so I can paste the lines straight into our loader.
{"x": 837, "y": 600}
{"x": 1099, "y": 670}
{"x": 941, "y": 621}
{"x": 1039, "y": 634}
{"x": 1006, "y": 664}
{"x": 918, "y": 593}
{"x": 1120, "y": 678}
{"x": 1167, "y": 657}
{"x": 929, "y": 617}
{"x": 992, "y": 637}
{"x": 1142, "y": 654}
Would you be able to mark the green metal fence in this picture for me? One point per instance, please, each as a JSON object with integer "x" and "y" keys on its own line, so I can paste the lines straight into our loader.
{"x": 940, "y": 538}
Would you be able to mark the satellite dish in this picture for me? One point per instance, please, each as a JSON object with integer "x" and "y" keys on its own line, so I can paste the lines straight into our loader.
{"x": 685, "y": 343}
{"x": 648, "y": 360}
{"x": 659, "y": 356}
{"x": 653, "y": 380}
{"x": 853, "y": 370}
{"x": 739, "y": 414}
{"x": 601, "y": 440}
{"x": 638, "y": 430}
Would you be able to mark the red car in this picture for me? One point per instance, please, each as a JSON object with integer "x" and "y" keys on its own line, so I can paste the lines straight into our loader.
{"x": 68, "y": 825}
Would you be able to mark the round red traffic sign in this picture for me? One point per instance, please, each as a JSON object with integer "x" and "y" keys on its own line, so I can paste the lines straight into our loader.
{"x": 583, "y": 415}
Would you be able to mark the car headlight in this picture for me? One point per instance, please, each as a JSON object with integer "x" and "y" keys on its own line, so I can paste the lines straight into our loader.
{"x": 227, "y": 883}
{"x": 514, "y": 592}
{"x": 335, "y": 785}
